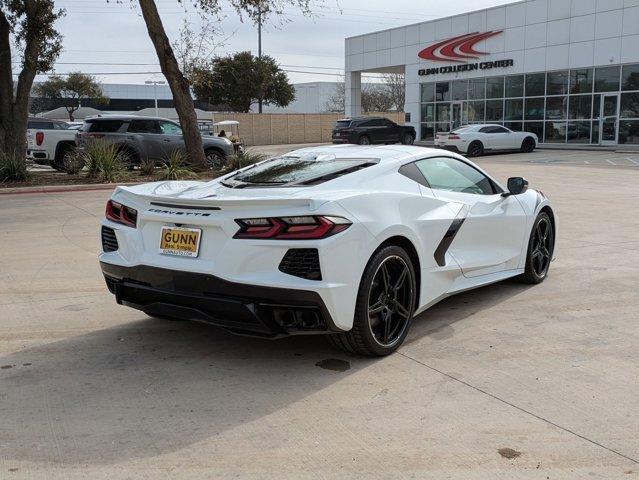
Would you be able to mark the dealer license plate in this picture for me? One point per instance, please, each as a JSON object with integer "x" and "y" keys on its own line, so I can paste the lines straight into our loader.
{"x": 183, "y": 242}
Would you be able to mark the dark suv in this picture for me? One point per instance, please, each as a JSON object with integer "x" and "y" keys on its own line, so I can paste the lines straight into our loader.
{"x": 369, "y": 130}
{"x": 139, "y": 137}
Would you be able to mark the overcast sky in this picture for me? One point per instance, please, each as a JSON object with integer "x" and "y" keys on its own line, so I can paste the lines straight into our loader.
{"x": 114, "y": 38}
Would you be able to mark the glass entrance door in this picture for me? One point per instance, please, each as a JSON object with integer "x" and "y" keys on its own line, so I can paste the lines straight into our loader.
{"x": 457, "y": 114}
{"x": 609, "y": 119}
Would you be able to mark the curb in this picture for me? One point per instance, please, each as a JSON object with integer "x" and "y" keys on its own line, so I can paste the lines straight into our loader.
{"x": 63, "y": 188}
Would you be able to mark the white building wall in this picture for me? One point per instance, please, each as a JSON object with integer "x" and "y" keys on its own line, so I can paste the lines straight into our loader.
{"x": 538, "y": 35}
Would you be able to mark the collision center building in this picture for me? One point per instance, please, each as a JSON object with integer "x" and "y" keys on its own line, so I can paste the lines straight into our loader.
{"x": 567, "y": 70}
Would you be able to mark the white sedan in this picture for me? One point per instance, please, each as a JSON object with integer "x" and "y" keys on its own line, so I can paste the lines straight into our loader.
{"x": 474, "y": 140}
{"x": 347, "y": 241}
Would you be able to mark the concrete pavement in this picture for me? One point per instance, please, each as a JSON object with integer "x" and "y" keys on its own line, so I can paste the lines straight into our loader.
{"x": 505, "y": 382}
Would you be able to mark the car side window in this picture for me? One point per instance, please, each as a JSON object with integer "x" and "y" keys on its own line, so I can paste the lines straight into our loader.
{"x": 170, "y": 128}
{"x": 144, "y": 126}
{"x": 389, "y": 123}
{"x": 499, "y": 130}
{"x": 450, "y": 174}
{"x": 486, "y": 130}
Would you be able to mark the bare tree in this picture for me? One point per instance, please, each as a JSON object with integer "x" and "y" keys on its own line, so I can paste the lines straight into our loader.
{"x": 28, "y": 25}
{"x": 376, "y": 98}
{"x": 178, "y": 82}
{"x": 396, "y": 86}
{"x": 336, "y": 102}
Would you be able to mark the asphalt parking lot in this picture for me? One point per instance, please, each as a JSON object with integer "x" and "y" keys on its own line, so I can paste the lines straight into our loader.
{"x": 505, "y": 382}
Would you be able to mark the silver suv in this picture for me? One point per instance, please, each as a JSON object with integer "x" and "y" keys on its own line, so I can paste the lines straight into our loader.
{"x": 139, "y": 137}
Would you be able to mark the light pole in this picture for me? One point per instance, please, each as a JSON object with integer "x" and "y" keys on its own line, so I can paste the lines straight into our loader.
{"x": 259, "y": 44}
{"x": 155, "y": 83}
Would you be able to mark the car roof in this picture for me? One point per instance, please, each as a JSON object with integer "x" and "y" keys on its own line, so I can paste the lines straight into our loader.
{"x": 383, "y": 153}
{"x": 359, "y": 119}
{"x": 126, "y": 118}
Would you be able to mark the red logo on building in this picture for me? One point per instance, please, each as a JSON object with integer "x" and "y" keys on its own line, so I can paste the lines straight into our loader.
{"x": 457, "y": 49}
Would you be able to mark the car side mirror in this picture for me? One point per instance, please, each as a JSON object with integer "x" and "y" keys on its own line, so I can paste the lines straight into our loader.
{"x": 516, "y": 186}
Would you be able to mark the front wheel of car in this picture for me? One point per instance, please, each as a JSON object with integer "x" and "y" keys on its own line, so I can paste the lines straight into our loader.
{"x": 385, "y": 305}
{"x": 475, "y": 149}
{"x": 540, "y": 250}
{"x": 528, "y": 145}
{"x": 364, "y": 140}
{"x": 408, "y": 139}
{"x": 215, "y": 159}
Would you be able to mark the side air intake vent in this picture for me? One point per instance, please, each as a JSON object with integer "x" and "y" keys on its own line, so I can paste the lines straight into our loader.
{"x": 302, "y": 262}
{"x": 109, "y": 241}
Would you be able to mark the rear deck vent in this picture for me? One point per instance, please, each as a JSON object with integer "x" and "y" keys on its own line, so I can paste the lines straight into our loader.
{"x": 109, "y": 240}
{"x": 302, "y": 262}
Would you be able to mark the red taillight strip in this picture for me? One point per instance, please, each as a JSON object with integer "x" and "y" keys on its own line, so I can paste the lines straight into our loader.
{"x": 279, "y": 229}
{"x": 118, "y": 213}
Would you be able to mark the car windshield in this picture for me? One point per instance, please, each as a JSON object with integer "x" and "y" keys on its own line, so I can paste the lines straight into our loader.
{"x": 295, "y": 170}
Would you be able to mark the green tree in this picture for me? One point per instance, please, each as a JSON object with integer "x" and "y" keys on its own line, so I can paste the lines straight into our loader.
{"x": 28, "y": 27}
{"x": 240, "y": 80}
{"x": 71, "y": 90}
{"x": 256, "y": 10}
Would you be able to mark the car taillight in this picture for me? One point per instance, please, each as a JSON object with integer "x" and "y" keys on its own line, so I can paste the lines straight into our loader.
{"x": 291, "y": 228}
{"x": 453, "y": 137}
{"x": 39, "y": 138}
{"x": 116, "y": 212}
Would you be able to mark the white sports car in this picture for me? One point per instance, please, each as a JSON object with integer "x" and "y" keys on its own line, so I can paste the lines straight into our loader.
{"x": 347, "y": 241}
{"x": 474, "y": 140}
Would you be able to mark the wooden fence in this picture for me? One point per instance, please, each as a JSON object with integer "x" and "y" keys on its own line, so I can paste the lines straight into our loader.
{"x": 287, "y": 128}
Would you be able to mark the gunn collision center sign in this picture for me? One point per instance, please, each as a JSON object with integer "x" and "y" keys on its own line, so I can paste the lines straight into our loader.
{"x": 460, "y": 50}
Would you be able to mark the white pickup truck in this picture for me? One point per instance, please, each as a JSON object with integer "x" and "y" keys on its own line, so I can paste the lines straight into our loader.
{"x": 48, "y": 141}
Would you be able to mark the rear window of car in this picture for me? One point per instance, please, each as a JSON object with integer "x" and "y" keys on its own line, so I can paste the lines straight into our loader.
{"x": 284, "y": 171}
{"x": 39, "y": 125}
{"x": 102, "y": 126}
{"x": 343, "y": 124}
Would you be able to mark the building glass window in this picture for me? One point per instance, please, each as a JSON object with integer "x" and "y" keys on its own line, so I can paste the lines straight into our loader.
{"x": 555, "y": 132}
{"x": 495, "y": 87}
{"x": 514, "y": 109}
{"x": 594, "y": 137}
{"x": 494, "y": 110}
{"x": 581, "y": 81}
{"x": 535, "y": 127}
{"x": 580, "y": 107}
{"x": 428, "y": 92}
{"x": 534, "y": 109}
{"x": 428, "y": 112}
{"x": 557, "y": 83}
{"x": 629, "y": 132}
{"x": 442, "y": 92}
{"x": 442, "y": 112}
{"x": 476, "y": 112}
{"x": 535, "y": 84}
{"x": 442, "y": 127}
{"x": 579, "y": 132}
{"x": 596, "y": 106}
{"x": 556, "y": 108}
{"x": 476, "y": 89}
{"x": 428, "y": 131}
{"x": 630, "y": 105}
{"x": 630, "y": 77}
{"x": 515, "y": 86}
{"x": 515, "y": 126}
{"x": 460, "y": 90}
{"x": 607, "y": 79}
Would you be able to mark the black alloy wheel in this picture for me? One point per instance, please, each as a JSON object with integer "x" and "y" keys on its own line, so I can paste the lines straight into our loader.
{"x": 408, "y": 139}
{"x": 385, "y": 305}
{"x": 475, "y": 149}
{"x": 540, "y": 250}
{"x": 364, "y": 140}
{"x": 528, "y": 145}
{"x": 215, "y": 160}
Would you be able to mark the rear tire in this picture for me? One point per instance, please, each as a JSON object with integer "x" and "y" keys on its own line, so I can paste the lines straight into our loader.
{"x": 215, "y": 159}
{"x": 540, "y": 250}
{"x": 64, "y": 152}
{"x": 475, "y": 149}
{"x": 364, "y": 140}
{"x": 384, "y": 308}
{"x": 528, "y": 145}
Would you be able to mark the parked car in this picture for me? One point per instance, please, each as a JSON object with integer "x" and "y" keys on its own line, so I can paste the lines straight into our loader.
{"x": 370, "y": 130}
{"x": 49, "y": 141}
{"x": 348, "y": 242}
{"x": 474, "y": 140}
{"x": 140, "y": 137}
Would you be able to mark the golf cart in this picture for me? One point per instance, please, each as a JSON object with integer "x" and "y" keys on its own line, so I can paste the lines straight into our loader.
{"x": 231, "y": 130}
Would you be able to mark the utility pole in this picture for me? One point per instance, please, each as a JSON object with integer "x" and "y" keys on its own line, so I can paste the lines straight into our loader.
{"x": 259, "y": 46}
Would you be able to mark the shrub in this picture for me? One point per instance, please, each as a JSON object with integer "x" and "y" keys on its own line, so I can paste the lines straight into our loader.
{"x": 147, "y": 167}
{"x": 74, "y": 163}
{"x": 103, "y": 160}
{"x": 244, "y": 159}
{"x": 13, "y": 168}
{"x": 174, "y": 167}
